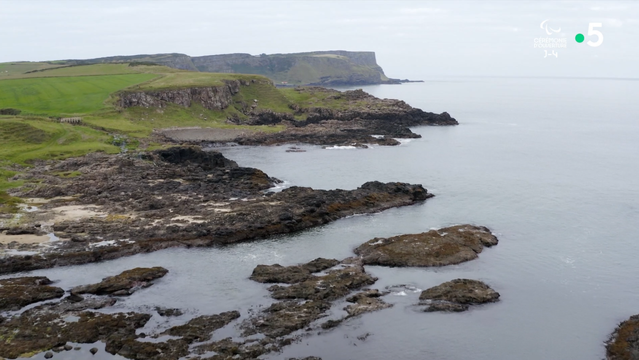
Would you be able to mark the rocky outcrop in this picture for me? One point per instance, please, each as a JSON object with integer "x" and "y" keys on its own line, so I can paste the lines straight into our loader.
{"x": 283, "y": 318}
{"x": 457, "y": 295}
{"x": 182, "y": 197}
{"x": 446, "y": 246}
{"x": 200, "y": 328}
{"x": 624, "y": 341}
{"x": 210, "y": 97}
{"x": 290, "y": 274}
{"x": 335, "y": 284}
{"x": 123, "y": 284}
{"x": 305, "y": 301}
{"x": 342, "y": 118}
{"x": 43, "y": 328}
{"x": 365, "y": 301}
{"x": 16, "y": 293}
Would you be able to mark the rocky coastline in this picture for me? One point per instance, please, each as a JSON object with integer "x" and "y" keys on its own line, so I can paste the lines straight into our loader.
{"x": 360, "y": 119}
{"x": 310, "y": 299}
{"x": 176, "y": 197}
{"x": 110, "y": 206}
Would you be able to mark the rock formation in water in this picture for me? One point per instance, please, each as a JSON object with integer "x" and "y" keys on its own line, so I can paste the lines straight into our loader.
{"x": 16, "y": 293}
{"x": 446, "y": 246}
{"x": 123, "y": 284}
{"x": 456, "y": 295}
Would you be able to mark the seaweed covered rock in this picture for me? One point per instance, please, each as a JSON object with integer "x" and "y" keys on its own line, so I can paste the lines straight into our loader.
{"x": 43, "y": 328}
{"x": 456, "y": 295}
{"x": 123, "y": 284}
{"x": 624, "y": 341}
{"x": 16, "y": 293}
{"x": 446, "y": 246}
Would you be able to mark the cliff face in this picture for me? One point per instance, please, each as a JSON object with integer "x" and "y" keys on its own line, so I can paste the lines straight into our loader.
{"x": 327, "y": 68}
{"x": 323, "y": 68}
{"x": 212, "y": 97}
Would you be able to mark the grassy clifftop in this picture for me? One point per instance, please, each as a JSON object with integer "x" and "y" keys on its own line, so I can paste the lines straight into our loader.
{"x": 326, "y": 68}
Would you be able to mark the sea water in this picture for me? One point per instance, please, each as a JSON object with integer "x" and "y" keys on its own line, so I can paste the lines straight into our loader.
{"x": 549, "y": 165}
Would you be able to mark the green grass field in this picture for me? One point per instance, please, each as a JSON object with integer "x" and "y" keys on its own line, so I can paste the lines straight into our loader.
{"x": 64, "y": 95}
{"x": 22, "y": 141}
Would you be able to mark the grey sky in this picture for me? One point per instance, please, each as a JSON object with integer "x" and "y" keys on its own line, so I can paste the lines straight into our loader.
{"x": 412, "y": 39}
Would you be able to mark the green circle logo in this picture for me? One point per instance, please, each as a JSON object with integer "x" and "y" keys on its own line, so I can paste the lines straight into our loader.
{"x": 579, "y": 38}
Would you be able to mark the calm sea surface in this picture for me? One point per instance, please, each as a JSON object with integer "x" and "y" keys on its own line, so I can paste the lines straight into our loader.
{"x": 551, "y": 166}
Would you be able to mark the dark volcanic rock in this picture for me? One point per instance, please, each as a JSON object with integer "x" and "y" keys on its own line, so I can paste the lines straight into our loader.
{"x": 183, "y": 197}
{"x": 624, "y": 341}
{"x": 446, "y": 306}
{"x": 279, "y": 274}
{"x": 283, "y": 318}
{"x": 123, "y": 284}
{"x": 450, "y": 295}
{"x": 290, "y": 274}
{"x": 201, "y": 327}
{"x": 186, "y": 155}
{"x": 171, "y": 349}
{"x": 16, "y": 293}
{"x": 320, "y": 264}
{"x": 359, "y": 116}
{"x": 335, "y": 284}
{"x": 41, "y": 328}
{"x": 365, "y": 301}
{"x": 445, "y": 246}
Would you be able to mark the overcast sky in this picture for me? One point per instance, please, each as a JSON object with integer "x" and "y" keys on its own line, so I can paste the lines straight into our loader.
{"x": 412, "y": 39}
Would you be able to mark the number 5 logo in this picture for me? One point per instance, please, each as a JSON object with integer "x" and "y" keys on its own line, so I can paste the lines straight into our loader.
{"x": 592, "y": 31}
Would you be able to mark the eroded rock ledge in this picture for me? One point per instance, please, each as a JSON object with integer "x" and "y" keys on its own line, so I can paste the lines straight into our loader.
{"x": 177, "y": 197}
{"x": 210, "y": 97}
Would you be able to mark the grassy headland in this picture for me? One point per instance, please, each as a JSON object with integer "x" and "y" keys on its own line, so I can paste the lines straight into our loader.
{"x": 45, "y": 92}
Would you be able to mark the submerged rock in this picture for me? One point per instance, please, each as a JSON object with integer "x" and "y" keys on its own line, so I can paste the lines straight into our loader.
{"x": 456, "y": 295}
{"x": 365, "y": 301}
{"x": 624, "y": 341}
{"x": 16, "y": 293}
{"x": 290, "y": 274}
{"x": 446, "y": 246}
{"x": 123, "y": 284}
{"x": 168, "y": 312}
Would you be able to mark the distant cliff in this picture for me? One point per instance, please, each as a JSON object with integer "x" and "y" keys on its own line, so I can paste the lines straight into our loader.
{"x": 314, "y": 68}
{"x": 323, "y": 68}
